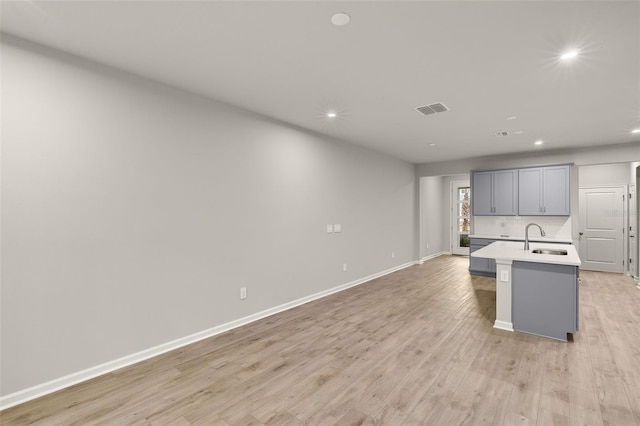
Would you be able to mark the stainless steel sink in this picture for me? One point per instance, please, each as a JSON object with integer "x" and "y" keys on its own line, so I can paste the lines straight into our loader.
{"x": 550, "y": 251}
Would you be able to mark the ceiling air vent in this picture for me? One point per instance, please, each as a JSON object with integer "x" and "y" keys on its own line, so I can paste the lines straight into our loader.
{"x": 501, "y": 134}
{"x": 432, "y": 109}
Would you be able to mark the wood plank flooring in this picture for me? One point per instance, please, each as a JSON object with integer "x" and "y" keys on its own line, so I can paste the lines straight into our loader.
{"x": 415, "y": 347}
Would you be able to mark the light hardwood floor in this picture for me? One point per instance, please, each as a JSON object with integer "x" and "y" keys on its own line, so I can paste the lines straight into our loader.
{"x": 414, "y": 347}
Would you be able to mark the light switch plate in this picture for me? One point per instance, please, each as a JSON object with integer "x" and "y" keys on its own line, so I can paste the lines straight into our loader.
{"x": 337, "y": 227}
{"x": 329, "y": 229}
{"x": 504, "y": 276}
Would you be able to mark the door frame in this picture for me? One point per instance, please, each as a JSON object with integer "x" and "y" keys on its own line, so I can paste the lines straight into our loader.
{"x": 453, "y": 216}
{"x": 632, "y": 227}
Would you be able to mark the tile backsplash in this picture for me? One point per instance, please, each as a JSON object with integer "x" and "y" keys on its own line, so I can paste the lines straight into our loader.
{"x": 513, "y": 226}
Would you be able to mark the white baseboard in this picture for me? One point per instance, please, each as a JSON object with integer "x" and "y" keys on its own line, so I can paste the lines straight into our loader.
{"x": 503, "y": 325}
{"x": 37, "y": 391}
{"x": 432, "y": 256}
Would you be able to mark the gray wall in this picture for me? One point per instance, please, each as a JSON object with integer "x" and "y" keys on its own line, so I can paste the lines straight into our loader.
{"x": 431, "y": 218}
{"x": 133, "y": 213}
{"x": 435, "y": 213}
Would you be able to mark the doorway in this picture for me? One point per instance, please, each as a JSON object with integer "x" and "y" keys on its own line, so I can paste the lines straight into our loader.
{"x": 601, "y": 233}
{"x": 460, "y": 217}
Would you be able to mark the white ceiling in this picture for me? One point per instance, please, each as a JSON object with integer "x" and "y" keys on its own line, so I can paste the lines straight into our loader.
{"x": 485, "y": 60}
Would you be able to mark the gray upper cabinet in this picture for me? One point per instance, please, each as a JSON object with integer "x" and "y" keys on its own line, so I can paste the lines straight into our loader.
{"x": 495, "y": 193}
{"x": 505, "y": 194}
{"x": 544, "y": 191}
{"x": 557, "y": 191}
{"x": 482, "y": 189}
{"x": 530, "y": 191}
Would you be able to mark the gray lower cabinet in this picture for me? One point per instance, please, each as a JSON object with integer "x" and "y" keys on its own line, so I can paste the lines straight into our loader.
{"x": 545, "y": 299}
{"x": 481, "y": 265}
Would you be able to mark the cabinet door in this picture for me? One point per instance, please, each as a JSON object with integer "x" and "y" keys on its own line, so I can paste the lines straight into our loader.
{"x": 482, "y": 200}
{"x": 557, "y": 187}
{"x": 480, "y": 264}
{"x": 530, "y": 192}
{"x": 505, "y": 192}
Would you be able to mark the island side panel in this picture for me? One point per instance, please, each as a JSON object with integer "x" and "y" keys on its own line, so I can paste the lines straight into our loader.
{"x": 545, "y": 299}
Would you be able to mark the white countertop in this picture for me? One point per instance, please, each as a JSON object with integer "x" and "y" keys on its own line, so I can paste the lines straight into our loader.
{"x": 521, "y": 238}
{"x": 514, "y": 250}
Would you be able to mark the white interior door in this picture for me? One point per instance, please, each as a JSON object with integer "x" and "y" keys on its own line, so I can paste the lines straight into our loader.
{"x": 602, "y": 228}
{"x": 460, "y": 217}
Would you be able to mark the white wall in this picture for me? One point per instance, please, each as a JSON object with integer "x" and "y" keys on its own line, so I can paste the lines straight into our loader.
{"x": 583, "y": 156}
{"x": 558, "y": 227}
{"x": 133, "y": 213}
{"x": 605, "y": 174}
{"x": 617, "y": 174}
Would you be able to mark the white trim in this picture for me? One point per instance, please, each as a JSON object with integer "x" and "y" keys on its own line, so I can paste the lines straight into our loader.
{"x": 503, "y": 325}
{"x": 432, "y": 256}
{"x": 454, "y": 237}
{"x": 602, "y": 186}
{"x": 54, "y": 385}
{"x": 504, "y": 281}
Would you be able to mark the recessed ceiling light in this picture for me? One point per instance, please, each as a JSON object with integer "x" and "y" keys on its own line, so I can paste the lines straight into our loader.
{"x": 340, "y": 19}
{"x": 538, "y": 143}
{"x": 518, "y": 132}
{"x": 570, "y": 54}
{"x": 432, "y": 144}
{"x": 635, "y": 131}
{"x": 332, "y": 115}
{"x": 513, "y": 117}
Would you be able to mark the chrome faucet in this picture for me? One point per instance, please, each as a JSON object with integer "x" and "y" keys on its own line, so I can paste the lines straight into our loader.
{"x": 526, "y": 234}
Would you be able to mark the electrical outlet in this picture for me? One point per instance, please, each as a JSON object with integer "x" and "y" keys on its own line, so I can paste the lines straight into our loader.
{"x": 393, "y": 254}
{"x": 504, "y": 276}
{"x": 344, "y": 267}
{"x": 243, "y": 292}
{"x": 427, "y": 245}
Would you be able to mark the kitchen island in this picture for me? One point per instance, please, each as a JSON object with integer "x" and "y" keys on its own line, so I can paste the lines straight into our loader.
{"x": 487, "y": 267}
{"x": 536, "y": 291}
